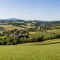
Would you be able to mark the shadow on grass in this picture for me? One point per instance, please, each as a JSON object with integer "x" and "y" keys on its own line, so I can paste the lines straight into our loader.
{"x": 48, "y": 43}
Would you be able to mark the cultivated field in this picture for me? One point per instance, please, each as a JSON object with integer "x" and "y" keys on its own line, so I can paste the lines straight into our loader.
{"x": 46, "y": 50}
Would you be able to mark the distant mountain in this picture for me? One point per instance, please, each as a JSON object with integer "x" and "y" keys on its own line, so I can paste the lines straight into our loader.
{"x": 37, "y": 22}
{"x": 13, "y": 19}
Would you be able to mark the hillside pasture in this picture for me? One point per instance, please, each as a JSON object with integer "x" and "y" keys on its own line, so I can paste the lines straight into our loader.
{"x": 31, "y": 51}
{"x": 54, "y": 31}
{"x": 10, "y": 27}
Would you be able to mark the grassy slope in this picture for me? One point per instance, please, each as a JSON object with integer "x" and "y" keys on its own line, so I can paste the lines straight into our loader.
{"x": 31, "y": 51}
{"x": 9, "y": 27}
{"x": 54, "y": 31}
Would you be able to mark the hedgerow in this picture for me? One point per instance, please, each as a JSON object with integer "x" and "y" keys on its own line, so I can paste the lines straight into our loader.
{"x": 10, "y": 40}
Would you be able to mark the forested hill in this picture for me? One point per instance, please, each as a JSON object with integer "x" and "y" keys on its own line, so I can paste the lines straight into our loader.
{"x": 37, "y": 22}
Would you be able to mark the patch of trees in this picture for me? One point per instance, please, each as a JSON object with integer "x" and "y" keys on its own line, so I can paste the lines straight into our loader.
{"x": 13, "y": 37}
{"x": 18, "y": 24}
{"x": 13, "y": 40}
{"x": 44, "y": 36}
{"x": 32, "y": 29}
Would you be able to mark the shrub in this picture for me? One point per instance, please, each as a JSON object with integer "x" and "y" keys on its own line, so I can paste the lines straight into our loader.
{"x": 9, "y": 40}
{"x": 29, "y": 39}
{"x": 31, "y": 29}
{"x": 18, "y": 41}
{"x": 14, "y": 42}
{"x": 21, "y": 40}
{"x": 0, "y": 42}
{"x": 3, "y": 40}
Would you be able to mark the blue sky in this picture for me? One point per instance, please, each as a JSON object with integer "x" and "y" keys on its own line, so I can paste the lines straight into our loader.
{"x": 30, "y": 9}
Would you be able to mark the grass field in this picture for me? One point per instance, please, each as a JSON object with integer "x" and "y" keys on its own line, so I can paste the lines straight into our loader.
{"x": 54, "y": 31}
{"x": 10, "y": 27}
{"x": 51, "y": 31}
{"x": 46, "y": 50}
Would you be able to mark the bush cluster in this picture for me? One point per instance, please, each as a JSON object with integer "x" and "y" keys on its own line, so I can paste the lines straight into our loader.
{"x": 4, "y": 40}
{"x": 44, "y": 36}
{"x": 9, "y": 40}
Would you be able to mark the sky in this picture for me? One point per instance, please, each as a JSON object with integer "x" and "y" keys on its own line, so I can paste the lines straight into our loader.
{"x": 46, "y": 10}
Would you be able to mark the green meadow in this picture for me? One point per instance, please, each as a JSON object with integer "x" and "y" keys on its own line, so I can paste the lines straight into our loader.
{"x": 10, "y": 27}
{"x": 29, "y": 29}
{"x": 46, "y": 50}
